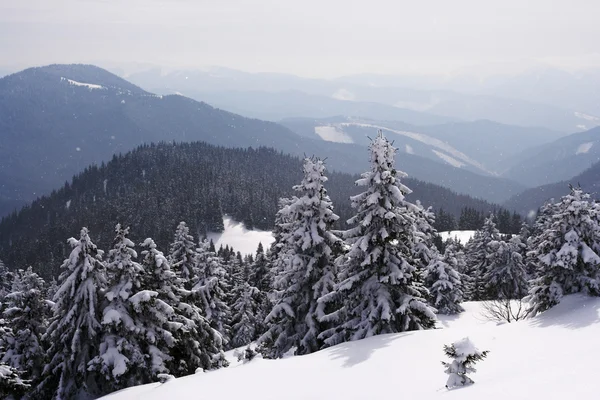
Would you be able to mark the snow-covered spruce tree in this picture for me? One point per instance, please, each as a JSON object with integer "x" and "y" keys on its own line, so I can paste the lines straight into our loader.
{"x": 213, "y": 291}
{"x": 25, "y": 314}
{"x": 565, "y": 246}
{"x": 380, "y": 286}
{"x": 194, "y": 344}
{"x": 476, "y": 252}
{"x": 12, "y": 385}
{"x": 307, "y": 252}
{"x": 246, "y": 322}
{"x": 444, "y": 282}
{"x": 121, "y": 361}
{"x": 506, "y": 278}
{"x": 74, "y": 331}
{"x": 51, "y": 289}
{"x": 183, "y": 256}
{"x": 6, "y": 278}
{"x": 280, "y": 229}
{"x": 464, "y": 355}
{"x": 260, "y": 274}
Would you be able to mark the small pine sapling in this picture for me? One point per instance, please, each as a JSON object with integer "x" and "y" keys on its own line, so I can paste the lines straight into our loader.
{"x": 464, "y": 355}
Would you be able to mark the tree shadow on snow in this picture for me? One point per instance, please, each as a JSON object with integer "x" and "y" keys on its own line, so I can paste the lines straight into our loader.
{"x": 446, "y": 320}
{"x": 358, "y": 351}
{"x": 578, "y": 313}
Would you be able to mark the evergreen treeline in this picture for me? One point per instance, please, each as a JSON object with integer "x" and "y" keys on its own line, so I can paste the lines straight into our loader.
{"x": 154, "y": 186}
{"x": 121, "y": 318}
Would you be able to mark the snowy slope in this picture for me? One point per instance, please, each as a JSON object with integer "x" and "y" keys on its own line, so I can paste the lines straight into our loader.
{"x": 241, "y": 239}
{"x": 552, "y": 356}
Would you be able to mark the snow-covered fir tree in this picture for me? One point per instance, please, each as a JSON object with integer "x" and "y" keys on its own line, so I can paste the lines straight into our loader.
{"x": 260, "y": 274}
{"x": 12, "y": 384}
{"x": 25, "y": 314}
{"x": 476, "y": 252}
{"x": 121, "y": 361}
{"x": 51, "y": 289}
{"x": 380, "y": 286}
{"x": 277, "y": 263}
{"x": 565, "y": 246}
{"x": 213, "y": 291}
{"x": 193, "y": 343}
{"x": 444, "y": 282}
{"x": 247, "y": 316}
{"x": 307, "y": 250}
{"x": 183, "y": 256}
{"x": 5, "y": 283}
{"x": 506, "y": 277}
{"x": 464, "y": 355}
{"x": 74, "y": 331}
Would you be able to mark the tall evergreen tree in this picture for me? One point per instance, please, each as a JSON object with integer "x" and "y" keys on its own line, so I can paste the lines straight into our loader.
{"x": 194, "y": 343}
{"x": 246, "y": 322}
{"x": 260, "y": 273}
{"x": 380, "y": 285}
{"x": 183, "y": 256}
{"x": 476, "y": 252}
{"x": 212, "y": 290}
{"x": 74, "y": 332}
{"x": 25, "y": 314}
{"x": 444, "y": 282}
{"x": 5, "y": 283}
{"x": 121, "y": 361}
{"x": 506, "y": 277}
{"x": 307, "y": 251}
{"x": 566, "y": 247}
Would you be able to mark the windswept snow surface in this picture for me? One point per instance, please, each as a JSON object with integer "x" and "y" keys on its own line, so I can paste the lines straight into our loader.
{"x": 88, "y": 85}
{"x": 584, "y": 147}
{"x": 241, "y": 239}
{"x": 552, "y": 356}
{"x": 332, "y": 134}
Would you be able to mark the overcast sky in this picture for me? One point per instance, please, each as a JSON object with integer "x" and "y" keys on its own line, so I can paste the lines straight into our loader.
{"x": 305, "y": 37}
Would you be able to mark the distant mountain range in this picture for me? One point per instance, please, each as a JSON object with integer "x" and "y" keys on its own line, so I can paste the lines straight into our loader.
{"x": 484, "y": 147}
{"x": 556, "y": 161}
{"x": 531, "y": 199}
{"x": 224, "y": 85}
{"x": 59, "y": 119}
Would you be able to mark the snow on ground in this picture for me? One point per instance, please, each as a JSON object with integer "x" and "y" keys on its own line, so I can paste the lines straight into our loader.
{"x": 241, "y": 239}
{"x": 584, "y": 147}
{"x": 332, "y": 134}
{"x": 409, "y": 149}
{"x": 452, "y": 161}
{"x": 587, "y": 117}
{"x": 552, "y": 356}
{"x": 88, "y": 85}
{"x": 463, "y": 236}
{"x": 428, "y": 140}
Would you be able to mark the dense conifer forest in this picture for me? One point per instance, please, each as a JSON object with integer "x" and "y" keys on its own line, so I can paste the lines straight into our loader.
{"x": 155, "y": 186}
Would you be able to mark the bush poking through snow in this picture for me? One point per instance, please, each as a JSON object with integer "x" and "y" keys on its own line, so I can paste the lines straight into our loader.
{"x": 245, "y": 355}
{"x": 504, "y": 310}
{"x": 163, "y": 378}
{"x": 464, "y": 355}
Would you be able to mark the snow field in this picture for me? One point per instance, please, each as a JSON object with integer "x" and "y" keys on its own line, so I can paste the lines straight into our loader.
{"x": 552, "y": 356}
{"x": 241, "y": 239}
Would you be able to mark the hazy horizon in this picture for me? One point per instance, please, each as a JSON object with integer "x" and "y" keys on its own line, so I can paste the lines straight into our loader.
{"x": 309, "y": 39}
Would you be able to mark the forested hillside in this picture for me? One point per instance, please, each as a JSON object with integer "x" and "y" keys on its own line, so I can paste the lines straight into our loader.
{"x": 154, "y": 187}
